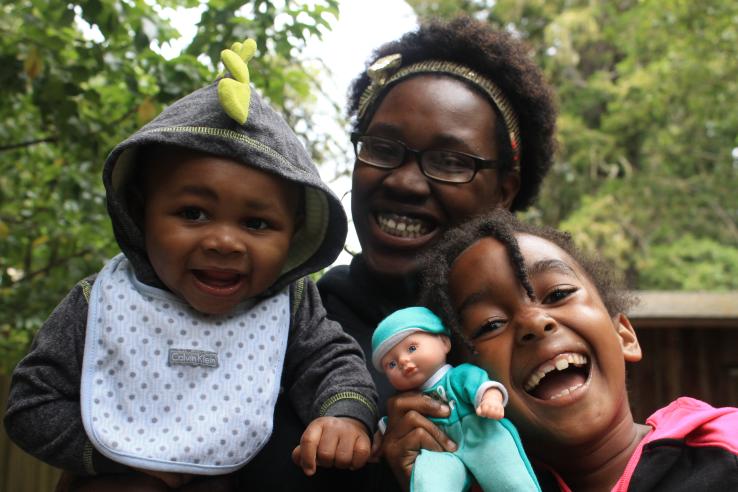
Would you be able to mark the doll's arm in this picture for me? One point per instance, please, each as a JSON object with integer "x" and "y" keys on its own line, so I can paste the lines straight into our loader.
{"x": 491, "y": 401}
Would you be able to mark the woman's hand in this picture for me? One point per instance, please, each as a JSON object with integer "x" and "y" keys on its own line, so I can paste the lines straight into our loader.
{"x": 408, "y": 430}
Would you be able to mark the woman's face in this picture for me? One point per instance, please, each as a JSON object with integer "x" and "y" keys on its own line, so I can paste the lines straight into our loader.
{"x": 398, "y": 213}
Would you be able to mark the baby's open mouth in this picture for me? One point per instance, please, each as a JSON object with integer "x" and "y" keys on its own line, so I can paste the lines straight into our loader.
{"x": 558, "y": 377}
{"x": 403, "y": 225}
{"x": 219, "y": 279}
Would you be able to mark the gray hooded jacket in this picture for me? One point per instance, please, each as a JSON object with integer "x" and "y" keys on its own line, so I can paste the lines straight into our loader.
{"x": 324, "y": 371}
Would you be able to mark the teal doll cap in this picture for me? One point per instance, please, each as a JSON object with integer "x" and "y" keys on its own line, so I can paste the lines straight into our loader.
{"x": 398, "y": 325}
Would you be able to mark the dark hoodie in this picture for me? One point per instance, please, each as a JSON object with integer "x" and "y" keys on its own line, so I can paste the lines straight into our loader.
{"x": 324, "y": 371}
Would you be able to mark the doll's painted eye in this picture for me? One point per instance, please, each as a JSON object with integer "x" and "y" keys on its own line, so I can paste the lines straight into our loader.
{"x": 412, "y": 348}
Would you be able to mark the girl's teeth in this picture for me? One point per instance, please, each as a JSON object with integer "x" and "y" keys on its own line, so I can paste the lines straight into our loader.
{"x": 560, "y": 363}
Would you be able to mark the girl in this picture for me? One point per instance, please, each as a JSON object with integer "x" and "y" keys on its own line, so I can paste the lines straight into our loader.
{"x": 549, "y": 324}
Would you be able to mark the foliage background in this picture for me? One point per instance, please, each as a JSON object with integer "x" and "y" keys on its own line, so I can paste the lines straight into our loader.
{"x": 648, "y": 129}
{"x": 645, "y": 176}
{"x": 78, "y": 77}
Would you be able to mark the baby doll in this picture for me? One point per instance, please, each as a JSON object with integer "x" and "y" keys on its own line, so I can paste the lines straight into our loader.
{"x": 410, "y": 347}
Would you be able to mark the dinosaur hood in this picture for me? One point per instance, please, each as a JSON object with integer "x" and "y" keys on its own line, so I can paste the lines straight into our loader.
{"x": 264, "y": 141}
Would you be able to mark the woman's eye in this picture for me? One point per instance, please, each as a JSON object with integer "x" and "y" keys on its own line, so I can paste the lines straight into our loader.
{"x": 257, "y": 224}
{"x": 559, "y": 294}
{"x": 491, "y": 327}
{"x": 193, "y": 214}
{"x": 412, "y": 348}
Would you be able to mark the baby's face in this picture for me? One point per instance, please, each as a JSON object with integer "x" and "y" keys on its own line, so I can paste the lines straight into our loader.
{"x": 217, "y": 232}
{"x": 415, "y": 359}
{"x": 561, "y": 357}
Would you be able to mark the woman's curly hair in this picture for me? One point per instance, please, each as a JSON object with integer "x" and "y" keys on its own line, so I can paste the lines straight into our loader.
{"x": 503, "y": 226}
{"x": 501, "y": 58}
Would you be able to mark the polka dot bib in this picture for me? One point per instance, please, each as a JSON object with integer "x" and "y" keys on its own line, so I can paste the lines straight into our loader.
{"x": 167, "y": 388}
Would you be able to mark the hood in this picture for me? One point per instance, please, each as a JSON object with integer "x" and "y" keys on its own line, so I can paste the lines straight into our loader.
{"x": 265, "y": 141}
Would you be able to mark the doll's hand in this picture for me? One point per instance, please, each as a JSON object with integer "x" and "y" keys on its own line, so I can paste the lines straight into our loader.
{"x": 339, "y": 442}
{"x": 172, "y": 480}
{"x": 408, "y": 430}
{"x": 491, "y": 405}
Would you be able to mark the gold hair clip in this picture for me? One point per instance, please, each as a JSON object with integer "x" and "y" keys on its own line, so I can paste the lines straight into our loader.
{"x": 382, "y": 69}
{"x": 235, "y": 94}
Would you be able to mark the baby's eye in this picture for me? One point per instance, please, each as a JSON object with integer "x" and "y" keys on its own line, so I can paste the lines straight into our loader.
{"x": 558, "y": 294}
{"x": 412, "y": 348}
{"x": 391, "y": 365}
{"x": 193, "y": 214}
{"x": 257, "y": 224}
{"x": 490, "y": 328}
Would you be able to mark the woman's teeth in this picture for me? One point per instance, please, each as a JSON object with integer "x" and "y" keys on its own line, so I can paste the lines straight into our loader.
{"x": 559, "y": 363}
{"x": 402, "y": 225}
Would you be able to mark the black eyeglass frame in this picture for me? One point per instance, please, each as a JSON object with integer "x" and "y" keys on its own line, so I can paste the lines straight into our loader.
{"x": 479, "y": 162}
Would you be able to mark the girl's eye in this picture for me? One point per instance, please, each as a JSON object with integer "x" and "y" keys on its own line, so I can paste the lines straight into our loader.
{"x": 257, "y": 224}
{"x": 558, "y": 294}
{"x": 193, "y": 214}
{"x": 492, "y": 327}
{"x": 392, "y": 365}
{"x": 412, "y": 348}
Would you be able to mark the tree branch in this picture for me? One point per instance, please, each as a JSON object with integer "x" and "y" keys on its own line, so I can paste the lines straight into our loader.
{"x": 50, "y": 266}
{"x": 27, "y": 143}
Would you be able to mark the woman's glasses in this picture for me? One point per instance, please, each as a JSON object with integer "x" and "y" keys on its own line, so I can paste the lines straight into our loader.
{"x": 446, "y": 166}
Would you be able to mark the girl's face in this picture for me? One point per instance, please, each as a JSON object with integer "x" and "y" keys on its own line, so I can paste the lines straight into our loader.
{"x": 561, "y": 357}
{"x": 399, "y": 212}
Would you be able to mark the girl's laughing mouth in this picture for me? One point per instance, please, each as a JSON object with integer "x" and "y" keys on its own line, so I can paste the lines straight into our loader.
{"x": 559, "y": 377}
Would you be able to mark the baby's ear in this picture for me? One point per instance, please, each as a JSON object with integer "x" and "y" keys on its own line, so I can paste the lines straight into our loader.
{"x": 628, "y": 339}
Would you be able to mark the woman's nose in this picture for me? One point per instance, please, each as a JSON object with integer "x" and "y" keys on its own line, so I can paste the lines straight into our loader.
{"x": 533, "y": 324}
{"x": 407, "y": 180}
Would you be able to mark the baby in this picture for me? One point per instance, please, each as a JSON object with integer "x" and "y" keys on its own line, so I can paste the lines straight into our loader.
{"x": 170, "y": 359}
{"x": 410, "y": 347}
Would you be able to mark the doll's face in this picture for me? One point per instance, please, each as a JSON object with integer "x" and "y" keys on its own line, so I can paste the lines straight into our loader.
{"x": 561, "y": 357}
{"x": 217, "y": 232}
{"x": 415, "y": 359}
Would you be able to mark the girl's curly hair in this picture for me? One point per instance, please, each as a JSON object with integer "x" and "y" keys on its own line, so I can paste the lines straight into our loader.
{"x": 503, "y": 226}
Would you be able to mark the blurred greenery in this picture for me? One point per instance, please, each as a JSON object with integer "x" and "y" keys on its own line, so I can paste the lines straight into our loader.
{"x": 647, "y": 170}
{"x": 645, "y": 176}
{"x": 78, "y": 77}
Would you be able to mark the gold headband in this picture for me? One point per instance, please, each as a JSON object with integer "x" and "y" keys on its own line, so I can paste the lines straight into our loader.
{"x": 384, "y": 72}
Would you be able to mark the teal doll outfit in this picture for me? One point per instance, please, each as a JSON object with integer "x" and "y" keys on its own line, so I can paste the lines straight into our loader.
{"x": 489, "y": 451}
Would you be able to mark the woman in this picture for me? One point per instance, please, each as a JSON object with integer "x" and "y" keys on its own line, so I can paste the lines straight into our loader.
{"x": 449, "y": 121}
{"x": 427, "y": 103}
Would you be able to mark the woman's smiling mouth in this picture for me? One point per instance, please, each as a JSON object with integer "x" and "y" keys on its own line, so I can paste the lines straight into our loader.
{"x": 403, "y": 226}
{"x": 558, "y": 377}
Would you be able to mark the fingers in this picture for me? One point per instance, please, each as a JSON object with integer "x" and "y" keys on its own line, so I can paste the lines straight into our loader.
{"x": 308, "y": 448}
{"x": 400, "y": 404}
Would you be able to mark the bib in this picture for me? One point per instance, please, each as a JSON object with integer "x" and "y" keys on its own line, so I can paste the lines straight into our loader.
{"x": 165, "y": 387}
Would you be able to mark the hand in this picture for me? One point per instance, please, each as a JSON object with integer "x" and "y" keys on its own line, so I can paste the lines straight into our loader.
{"x": 491, "y": 405}
{"x": 172, "y": 480}
{"x": 340, "y": 442}
{"x": 408, "y": 430}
